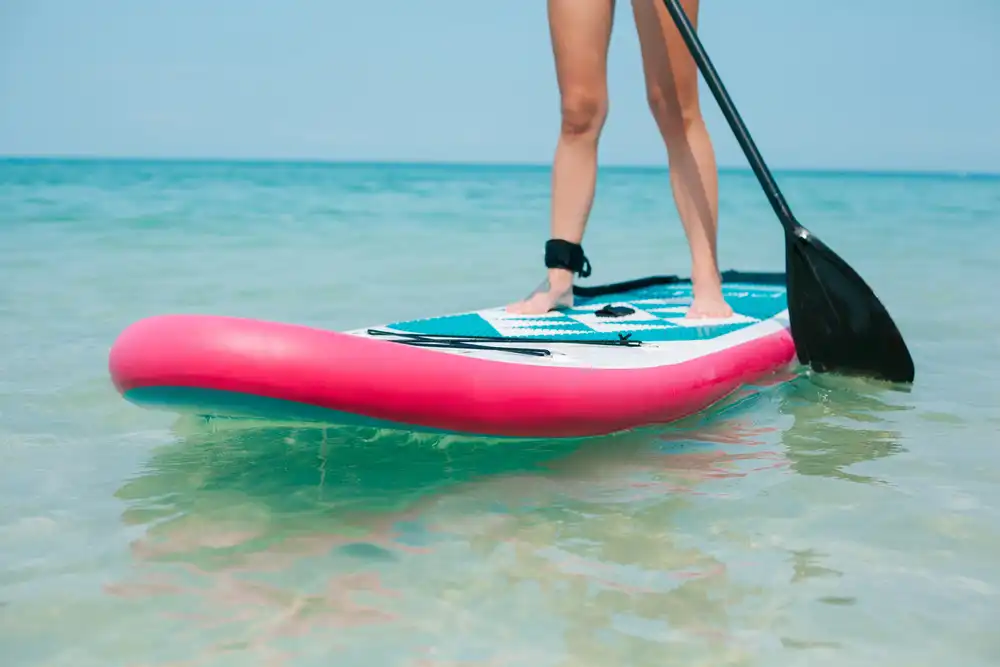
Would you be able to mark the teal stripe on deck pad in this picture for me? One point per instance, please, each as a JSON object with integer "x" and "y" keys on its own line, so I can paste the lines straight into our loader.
{"x": 659, "y": 317}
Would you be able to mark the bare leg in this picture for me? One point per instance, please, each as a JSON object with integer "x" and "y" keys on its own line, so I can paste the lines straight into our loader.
{"x": 581, "y": 31}
{"x": 672, "y": 87}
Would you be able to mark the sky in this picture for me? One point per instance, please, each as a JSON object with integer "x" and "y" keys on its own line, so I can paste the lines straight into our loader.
{"x": 848, "y": 84}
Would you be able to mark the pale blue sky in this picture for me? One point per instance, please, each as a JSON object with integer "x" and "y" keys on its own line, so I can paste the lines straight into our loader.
{"x": 898, "y": 84}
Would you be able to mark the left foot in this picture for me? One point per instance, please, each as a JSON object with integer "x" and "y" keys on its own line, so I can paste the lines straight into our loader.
{"x": 709, "y": 303}
{"x": 557, "y": 290}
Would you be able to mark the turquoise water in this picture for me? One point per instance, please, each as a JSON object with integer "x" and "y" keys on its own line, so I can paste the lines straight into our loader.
{"x": 818, "y": 522}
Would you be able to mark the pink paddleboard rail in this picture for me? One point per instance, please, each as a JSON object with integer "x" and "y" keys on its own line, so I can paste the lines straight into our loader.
{"x": 421, "y": 387}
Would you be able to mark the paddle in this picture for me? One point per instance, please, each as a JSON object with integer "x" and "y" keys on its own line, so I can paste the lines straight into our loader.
{"x": 837, "y": 322}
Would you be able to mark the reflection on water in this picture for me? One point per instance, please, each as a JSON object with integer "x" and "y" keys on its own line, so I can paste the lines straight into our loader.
{"x": 286, "y": 546}
{"x": 843, "y": 422}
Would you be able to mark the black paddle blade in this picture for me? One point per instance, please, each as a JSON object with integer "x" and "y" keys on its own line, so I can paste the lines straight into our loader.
{"x": 837, "y": 322}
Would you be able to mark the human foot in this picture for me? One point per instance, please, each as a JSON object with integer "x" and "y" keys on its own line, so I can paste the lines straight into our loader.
{"x": 551, "y": 294}
{"x": 709, "y": 307}
{"x": 539, "y": 303}
{"x": 562, "y": 259}
{"x": 708, "y": 302}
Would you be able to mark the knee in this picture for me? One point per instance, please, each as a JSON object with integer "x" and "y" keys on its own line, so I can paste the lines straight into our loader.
{"x": 675, "y": 115}
{"x": 583, "y": 113}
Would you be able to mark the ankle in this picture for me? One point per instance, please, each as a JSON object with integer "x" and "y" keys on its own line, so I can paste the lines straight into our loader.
{"x": 560, "y": 280}
{"x": 706, "y": 279}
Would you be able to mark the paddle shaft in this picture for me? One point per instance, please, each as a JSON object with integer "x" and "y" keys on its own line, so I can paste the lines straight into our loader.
{"x": 764, "y": 176}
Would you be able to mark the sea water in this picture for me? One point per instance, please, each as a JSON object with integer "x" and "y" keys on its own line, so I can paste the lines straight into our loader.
{"x": 822, "y": 521}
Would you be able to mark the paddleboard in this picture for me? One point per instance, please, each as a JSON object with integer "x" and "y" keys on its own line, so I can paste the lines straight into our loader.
{"x": 624, "y": 356}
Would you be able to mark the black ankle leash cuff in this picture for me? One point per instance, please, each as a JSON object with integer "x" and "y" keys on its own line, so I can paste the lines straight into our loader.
{"x": 561, "y": 254}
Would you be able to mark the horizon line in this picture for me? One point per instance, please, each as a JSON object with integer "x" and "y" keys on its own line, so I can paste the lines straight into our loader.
{"x": 347, "y": 162}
